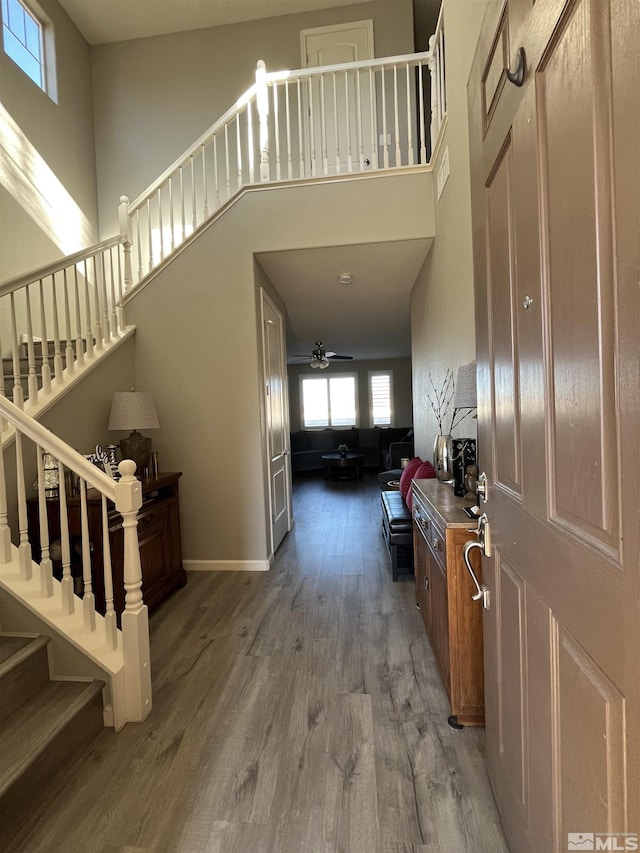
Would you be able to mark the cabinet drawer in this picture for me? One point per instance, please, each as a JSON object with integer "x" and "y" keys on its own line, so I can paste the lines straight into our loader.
{"x": 431, "y": 530}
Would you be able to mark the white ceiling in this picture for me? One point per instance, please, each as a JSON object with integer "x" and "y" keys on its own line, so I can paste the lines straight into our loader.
{"x": 103, "y": 21}
{"x": 368, "y": 318}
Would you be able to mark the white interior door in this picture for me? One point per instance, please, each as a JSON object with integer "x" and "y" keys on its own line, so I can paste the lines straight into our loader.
{"x": 277, "y": 420}
{"x": 340, "y": 106}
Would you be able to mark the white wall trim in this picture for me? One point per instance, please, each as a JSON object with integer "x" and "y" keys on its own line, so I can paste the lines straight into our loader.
{"x": 227, "y": 565}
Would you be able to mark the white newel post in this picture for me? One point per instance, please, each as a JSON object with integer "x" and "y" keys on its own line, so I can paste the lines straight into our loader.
{"x": 135, "y": 618}
{"x": 433, "y": 73}
{"x": 125, "y": 233}
{"x": 262, "y": 102}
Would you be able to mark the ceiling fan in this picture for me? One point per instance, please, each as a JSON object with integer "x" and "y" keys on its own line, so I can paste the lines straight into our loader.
{"x": 321, "y": 358}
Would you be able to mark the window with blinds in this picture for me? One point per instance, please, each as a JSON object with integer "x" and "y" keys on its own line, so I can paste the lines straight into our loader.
{"x": 381, "y": 398}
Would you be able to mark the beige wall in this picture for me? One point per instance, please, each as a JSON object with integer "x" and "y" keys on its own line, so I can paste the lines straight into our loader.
{"x": 400, "y": 367}
{"x": 197, "y": 348}
{"x": 154, "y": 97}
{"x": 48, "y": 203}
{"x": 442, "y": 310}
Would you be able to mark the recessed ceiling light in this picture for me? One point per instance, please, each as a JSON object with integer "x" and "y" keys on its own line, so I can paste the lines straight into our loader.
{"x": 345, "y": 278}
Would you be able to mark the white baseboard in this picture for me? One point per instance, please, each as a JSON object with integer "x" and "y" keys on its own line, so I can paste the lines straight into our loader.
{"x": 227, "y": 565}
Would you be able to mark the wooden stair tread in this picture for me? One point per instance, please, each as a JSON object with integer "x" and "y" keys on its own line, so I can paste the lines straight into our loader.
{"x": 10, "y": 644}
{"x": 27, "y": 733}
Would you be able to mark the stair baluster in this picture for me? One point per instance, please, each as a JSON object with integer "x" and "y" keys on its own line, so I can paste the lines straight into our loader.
{"x": 68, "y": 603}
{"x": 45, "y": 368}
{"x": 24, "y": 548}
{"x": 336, "y": 137}
{"x": 114, "y": 320}
{"x": 194, "y": 212}
{"x": 68, "y": 347}
{"x": 57, "y": 350}
{"x": 110, "y": 623}
{"x": 5, "y": 531}
{"x": 46, "y": 566}
{"x": 32, "y": 378}
{"x": 276, "y": 131}
{"x": 79, "y": 343}
{"x": 215, "y": 171}
{"x": 288, "y": 126}
{"x": 104, "y": 298}
{"x": 87, "y": 312}
{"x": 88, "y": 599}
{"x": 228, "y": 172}
{"x": 97, "y": 298}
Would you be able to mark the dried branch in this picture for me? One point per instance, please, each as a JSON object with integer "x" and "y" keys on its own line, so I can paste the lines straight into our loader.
{"x": 441, "y": 400}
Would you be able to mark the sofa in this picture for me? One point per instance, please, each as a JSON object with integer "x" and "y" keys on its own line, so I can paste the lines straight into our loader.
{"x": 381, "y": 447}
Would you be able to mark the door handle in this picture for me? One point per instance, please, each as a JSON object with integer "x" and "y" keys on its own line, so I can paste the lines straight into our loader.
{"x": 484, "y": 544}
{"x": 468, "y": 548}
{"x": 482, "y": 487}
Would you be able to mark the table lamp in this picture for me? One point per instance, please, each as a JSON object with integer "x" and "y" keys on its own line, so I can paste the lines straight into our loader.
{"x": 134, "y": 410}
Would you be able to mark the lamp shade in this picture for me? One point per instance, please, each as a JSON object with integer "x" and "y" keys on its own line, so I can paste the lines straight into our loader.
{"x": 466, "y": 395}
{"x": 133, "y": 410}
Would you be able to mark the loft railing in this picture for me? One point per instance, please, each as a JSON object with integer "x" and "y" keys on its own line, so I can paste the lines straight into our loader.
{"x": 59, "y": 317}
{"x": 335, "y": 120}
{"x": 349, "y": 119}
{"x": 65, "y": 602}
{"x": 438, "y": 69}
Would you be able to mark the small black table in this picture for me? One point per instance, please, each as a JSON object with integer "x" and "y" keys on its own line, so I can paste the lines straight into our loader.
{"x": 342, "y": 466}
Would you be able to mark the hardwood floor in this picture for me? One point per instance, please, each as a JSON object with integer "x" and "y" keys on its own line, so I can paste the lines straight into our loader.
{"x": 295, "y": 711}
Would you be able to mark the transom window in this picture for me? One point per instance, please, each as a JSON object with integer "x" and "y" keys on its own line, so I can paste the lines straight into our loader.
{"x": 381, "y": 397}
{"x": 329, "y": 401}
{"x": 27, "y": 38}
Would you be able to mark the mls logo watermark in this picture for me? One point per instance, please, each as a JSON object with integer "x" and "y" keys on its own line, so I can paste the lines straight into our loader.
{"x": 602, "y": 841}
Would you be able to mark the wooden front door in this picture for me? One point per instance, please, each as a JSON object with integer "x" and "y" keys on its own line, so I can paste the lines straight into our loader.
{"x": 555, "y": 190}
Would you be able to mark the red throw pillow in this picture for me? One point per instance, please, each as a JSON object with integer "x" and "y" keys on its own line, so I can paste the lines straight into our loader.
{"x": 408, "y": 473}
{"x": 425, "y": 471}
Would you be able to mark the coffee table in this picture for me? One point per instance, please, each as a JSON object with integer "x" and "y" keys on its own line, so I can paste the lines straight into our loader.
{"x": 341, "y": 467}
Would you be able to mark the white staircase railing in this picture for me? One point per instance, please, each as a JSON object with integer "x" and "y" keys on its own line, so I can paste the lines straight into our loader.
{"x": 438, "y": 69}
{"x": 59, "y": 317}
{"x": 349, "y": 119}
{"x": 50, "y": 589}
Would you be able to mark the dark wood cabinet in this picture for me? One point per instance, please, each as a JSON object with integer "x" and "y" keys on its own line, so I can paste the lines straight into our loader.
{"x": 444, "y": 590}
{"x": 158, "y": 537}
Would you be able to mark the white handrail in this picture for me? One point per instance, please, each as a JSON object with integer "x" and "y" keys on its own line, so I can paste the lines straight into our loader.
{"x": 124, "y": 654}
{"x": 13, "y": 284}
{"x": 86, "y": 291}
{"x": 311, "y": 122}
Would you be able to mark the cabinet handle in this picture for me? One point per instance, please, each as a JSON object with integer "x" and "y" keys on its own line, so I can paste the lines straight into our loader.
{"x": 517, "y": 75}
{"x": 436, "y": 543}
{"x": 426, "y": 583}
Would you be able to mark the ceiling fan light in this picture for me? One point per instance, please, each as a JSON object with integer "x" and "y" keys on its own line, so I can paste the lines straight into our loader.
{"x": 323, "y": 364}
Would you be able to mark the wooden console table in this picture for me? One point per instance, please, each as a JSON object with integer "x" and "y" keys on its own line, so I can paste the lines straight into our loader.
{"x": 444, "y": 592}
{"x": 158, "y": 536}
